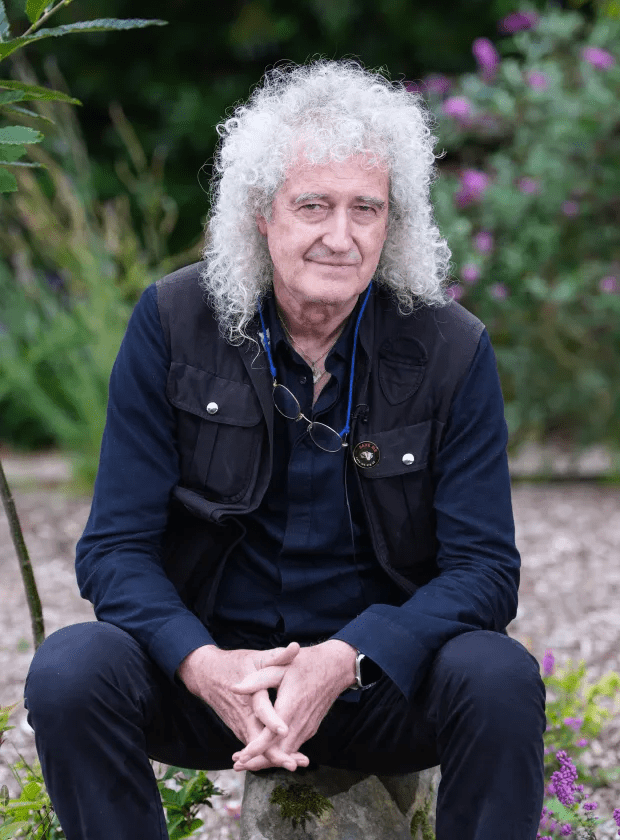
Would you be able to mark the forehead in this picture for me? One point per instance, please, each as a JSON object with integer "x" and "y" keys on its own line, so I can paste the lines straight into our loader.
{"x": 352, "y": 177}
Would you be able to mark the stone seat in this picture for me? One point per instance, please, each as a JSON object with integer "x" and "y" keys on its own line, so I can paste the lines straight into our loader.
{"x": 364, "y": 807}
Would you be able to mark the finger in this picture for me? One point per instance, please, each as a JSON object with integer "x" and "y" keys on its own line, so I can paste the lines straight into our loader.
{"x": 275, "y": 757}
{"x": 276, "y": 656}
{"x": 269, "y": 677}
{"x": 257, "y": 746}
{"x": 264, "y": 711}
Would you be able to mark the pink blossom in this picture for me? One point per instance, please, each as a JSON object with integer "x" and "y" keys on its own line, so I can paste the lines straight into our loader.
{"x": 484, "y": 241}
{"x": 528, "y": 186}
{"x": 582, "y": 742}
{"x": 601, "y": 59}
{"x": 473, "y": 185}
{"x": 574, "y": 723}
{"x": 456, "y": 292}
{"x": 457, "y": 106}
{"x": 608, "y": 284}
{"x": 538, "y": 81}
{"x": 566, "y": 830}
{"x": 548, "y": 663}
{"x": 570, "y": 208}
{"x": 437, "y": 83}
{"x": 486, "y": 55}
{"x": 470, "y": 273}
{"x": 499, "y": 291}
{"x": 517, "y": 22}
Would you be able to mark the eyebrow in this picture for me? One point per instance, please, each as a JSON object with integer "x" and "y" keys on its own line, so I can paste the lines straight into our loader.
{"x": 363, "y": 199}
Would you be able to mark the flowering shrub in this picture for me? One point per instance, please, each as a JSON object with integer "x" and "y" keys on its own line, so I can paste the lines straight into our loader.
{"x": 528, "y": 199}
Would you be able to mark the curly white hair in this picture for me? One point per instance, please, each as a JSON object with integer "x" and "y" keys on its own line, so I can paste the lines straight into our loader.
{"x": 335, "y": 109}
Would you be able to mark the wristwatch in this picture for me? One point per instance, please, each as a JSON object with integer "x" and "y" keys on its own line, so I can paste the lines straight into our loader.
{"x": 367, "y": 672}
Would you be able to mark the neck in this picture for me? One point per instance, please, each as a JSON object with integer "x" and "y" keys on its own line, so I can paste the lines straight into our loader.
{"x": 313, "y": 324}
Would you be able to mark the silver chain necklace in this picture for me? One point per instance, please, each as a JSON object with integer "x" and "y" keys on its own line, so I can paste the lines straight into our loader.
{"x": 317, "y": 373}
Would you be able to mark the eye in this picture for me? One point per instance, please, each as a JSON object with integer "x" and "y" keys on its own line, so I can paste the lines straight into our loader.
{"x": 366, "y": 209}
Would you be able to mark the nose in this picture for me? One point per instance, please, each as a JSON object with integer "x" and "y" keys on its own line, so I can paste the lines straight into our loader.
{"x": 338, "y": 234}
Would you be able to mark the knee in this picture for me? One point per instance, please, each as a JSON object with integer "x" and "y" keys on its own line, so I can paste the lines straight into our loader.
{"x": 68, "y": 667}
{"x": 494, "y": 672}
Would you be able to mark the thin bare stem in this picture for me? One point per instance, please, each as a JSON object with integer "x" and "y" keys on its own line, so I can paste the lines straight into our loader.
{"x": 46, "y": 17}
{"x": 25, "y": 566}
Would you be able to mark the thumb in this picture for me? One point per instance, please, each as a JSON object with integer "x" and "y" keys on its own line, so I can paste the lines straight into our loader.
{"x": 276, "y": 656}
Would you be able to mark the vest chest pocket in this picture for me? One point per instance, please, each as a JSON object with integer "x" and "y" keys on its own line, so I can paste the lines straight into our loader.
{"x": 396, "y": 452}
{"x": 219, "y": 431}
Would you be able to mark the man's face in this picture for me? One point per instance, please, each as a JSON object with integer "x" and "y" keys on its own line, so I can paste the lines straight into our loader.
{"x": 327, "y": 229}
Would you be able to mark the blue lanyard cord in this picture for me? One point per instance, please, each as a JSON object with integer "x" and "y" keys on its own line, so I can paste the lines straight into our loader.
{"x": 272, "y": 368}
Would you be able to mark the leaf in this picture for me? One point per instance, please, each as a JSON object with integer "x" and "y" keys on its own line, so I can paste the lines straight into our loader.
{"x": 10, "y": 96}
{"x": 36, "y": 93}
{"x": 18, "y": 134}
{"x": 4, "y": 24}
{"x": 34, "y": 9}
{"x": 9, "y": 154}
{"x": 8, "y": 830}
{"x": 7, "y": 181}
{"x": 102, "y": 25}
{"x": 28, "y": 112}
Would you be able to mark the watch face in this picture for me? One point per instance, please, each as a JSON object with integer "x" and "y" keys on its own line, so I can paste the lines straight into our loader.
{"x": 370, "y": 672}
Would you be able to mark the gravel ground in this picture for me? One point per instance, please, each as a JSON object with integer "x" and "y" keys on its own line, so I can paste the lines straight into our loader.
{"x": 568, "y": 534}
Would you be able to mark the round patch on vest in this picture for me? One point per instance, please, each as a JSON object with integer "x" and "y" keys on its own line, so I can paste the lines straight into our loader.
{"x": 366, "y": 454}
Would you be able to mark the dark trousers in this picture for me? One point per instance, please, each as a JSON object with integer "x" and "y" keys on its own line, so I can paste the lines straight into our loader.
{"x": 100, "y": 707}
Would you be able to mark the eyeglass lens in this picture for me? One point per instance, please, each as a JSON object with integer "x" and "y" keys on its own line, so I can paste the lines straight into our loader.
{"x": 287, "y": 404}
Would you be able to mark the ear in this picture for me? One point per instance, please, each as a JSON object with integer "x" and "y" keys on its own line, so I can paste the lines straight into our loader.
{"x": 261, "y": 224}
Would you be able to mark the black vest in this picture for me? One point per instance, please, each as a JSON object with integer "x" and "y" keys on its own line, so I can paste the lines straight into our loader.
{"x": 408, "y": 370}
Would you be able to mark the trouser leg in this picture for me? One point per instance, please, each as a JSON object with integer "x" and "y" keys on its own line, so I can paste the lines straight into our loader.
{"x": 479, "y": 714}
{"x": 99, "y": 707}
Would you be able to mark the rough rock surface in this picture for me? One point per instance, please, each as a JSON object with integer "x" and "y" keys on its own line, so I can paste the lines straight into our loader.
{"x": 363, "y": 807}
{"x": 568, "y": 534}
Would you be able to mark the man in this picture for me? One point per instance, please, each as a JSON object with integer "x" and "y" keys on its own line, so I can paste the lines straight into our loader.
{"x": 301, "y": 544}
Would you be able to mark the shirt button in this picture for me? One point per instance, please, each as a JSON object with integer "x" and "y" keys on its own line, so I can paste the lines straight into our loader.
{"x": 408, "y": 459}
{"x": 303, "y": 380}
{"x": 212, "y": 407}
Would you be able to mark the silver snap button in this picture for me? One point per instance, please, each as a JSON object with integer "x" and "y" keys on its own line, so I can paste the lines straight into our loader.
{"x": 408, "y": 459}
{"x": 212, "y": 408}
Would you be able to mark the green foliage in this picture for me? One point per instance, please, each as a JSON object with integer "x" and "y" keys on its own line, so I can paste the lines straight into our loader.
{"x": 420, "y": 822}
{"x": 535, "y": 240}
{"x": 35, "y": 12}
{"x": 74, "y": 269}
{"x": 298, "y": 802}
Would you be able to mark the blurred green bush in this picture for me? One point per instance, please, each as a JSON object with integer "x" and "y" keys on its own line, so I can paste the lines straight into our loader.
{"x": 529, "y": 199}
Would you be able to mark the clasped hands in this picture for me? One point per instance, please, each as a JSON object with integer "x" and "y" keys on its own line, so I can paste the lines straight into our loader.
{"x": 235, "y": 684}
{"x": 307, "y": 686}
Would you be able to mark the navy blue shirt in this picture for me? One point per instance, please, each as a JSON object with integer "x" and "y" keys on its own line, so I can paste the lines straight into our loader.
{"x": 119, "y": 559}
{"x": 306, "y": 565}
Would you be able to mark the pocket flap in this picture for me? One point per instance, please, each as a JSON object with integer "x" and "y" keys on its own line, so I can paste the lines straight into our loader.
{"x": 192, "y": 390}
{"x": 400, "y": 451}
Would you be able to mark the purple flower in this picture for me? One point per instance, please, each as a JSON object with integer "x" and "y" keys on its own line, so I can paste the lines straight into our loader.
{"x": 548, "y": 663}
{"x": 563, "y": 780}
{"x": 582, "y": 742}
{"x": 456, "y": 292}
{"x": 528, "y": 186}
{"x": 590, "y": 806}
{"x": 413, "y": 87}
{"x": 608, "y": 284}
{"x": 538, "y": 81}
{"x": 473, "y": 185}
{"x": 484, "y": 241}
{"x": 437, "y": 83}
{"x": 499, "y": 291}
{"x": 458, "y": 107}
{"x": 517, "y": 22}
{"x": 601, "y": 59}
{"x": 486, "y": 55}
{"x": 566, "y": 830}
{"x": 470, "y": 272}
{"x": 570, "y": 208}
{"x": 574, "y": 723}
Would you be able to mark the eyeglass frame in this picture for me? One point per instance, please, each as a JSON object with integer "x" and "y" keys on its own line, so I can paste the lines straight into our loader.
{"x": 302, "y": 416}
{"x": 347, "y": 427}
